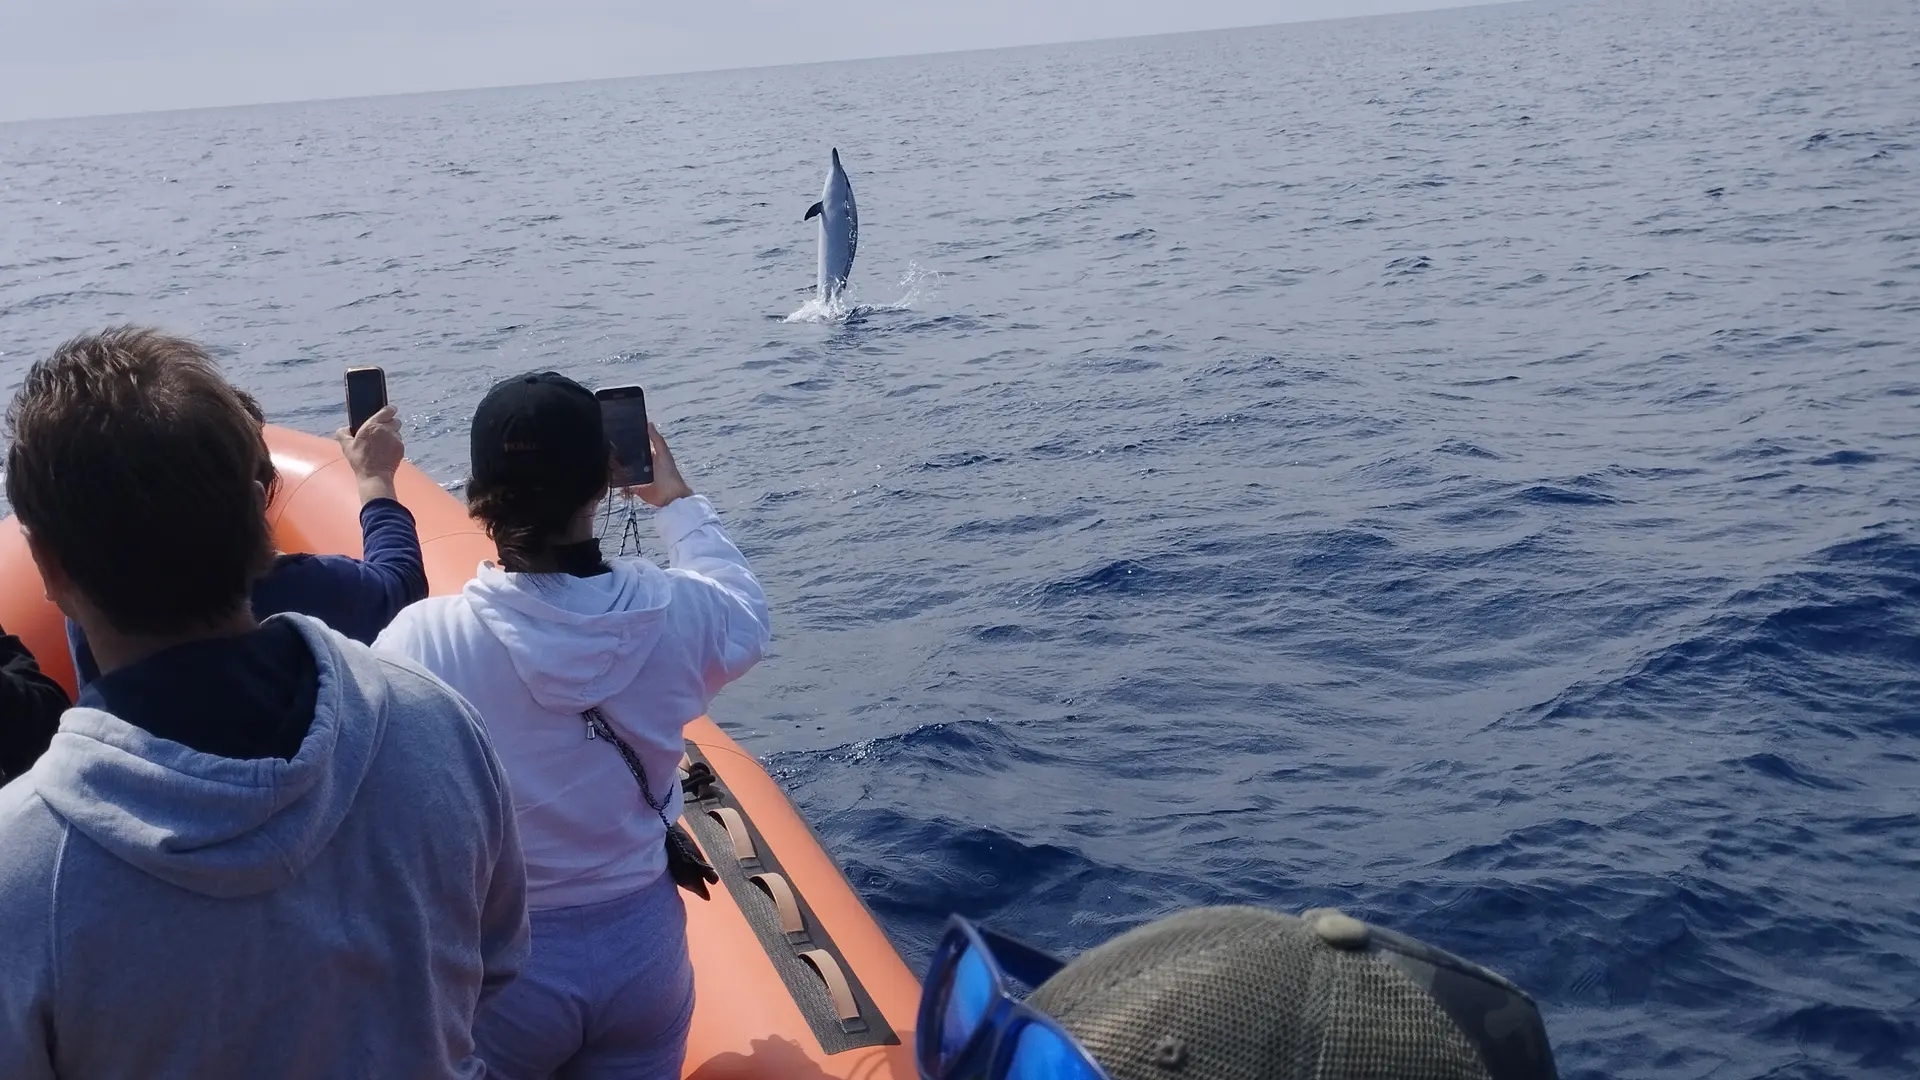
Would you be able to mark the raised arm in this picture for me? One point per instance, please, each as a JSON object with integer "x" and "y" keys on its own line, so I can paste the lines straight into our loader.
{"x": 395, "y": 572}
{"x": 732, "y": 607}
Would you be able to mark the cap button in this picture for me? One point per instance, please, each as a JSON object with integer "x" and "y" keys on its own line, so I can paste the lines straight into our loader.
{"x": 1338, "y": 929}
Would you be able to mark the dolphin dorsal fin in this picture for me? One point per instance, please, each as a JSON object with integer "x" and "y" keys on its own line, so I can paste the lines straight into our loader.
{"x": 816, "y": 208}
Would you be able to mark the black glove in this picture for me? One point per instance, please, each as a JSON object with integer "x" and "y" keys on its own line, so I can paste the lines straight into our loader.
{"x": 689, "y": 870}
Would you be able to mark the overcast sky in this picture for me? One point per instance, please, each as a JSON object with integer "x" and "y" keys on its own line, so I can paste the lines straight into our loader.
{"x": 81, "y": 57}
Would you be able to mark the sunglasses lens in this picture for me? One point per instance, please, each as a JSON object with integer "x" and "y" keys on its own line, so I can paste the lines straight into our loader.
{"x": 1041, "y": 1053}
{"x": 969, "y": 994}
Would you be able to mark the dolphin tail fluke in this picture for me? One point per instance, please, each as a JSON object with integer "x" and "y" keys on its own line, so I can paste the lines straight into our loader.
{"x": 816, "y": 208}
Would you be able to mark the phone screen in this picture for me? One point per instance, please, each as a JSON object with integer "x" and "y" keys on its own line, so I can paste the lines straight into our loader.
{"x": 623, "y": 412}
{"x": 366, "y": 395}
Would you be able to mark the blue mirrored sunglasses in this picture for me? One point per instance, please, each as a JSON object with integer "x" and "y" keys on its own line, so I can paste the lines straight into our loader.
{"x": 971, "y": 1025}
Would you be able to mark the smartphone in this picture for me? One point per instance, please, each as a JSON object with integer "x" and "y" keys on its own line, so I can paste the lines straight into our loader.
{"x": 623, "y": 413}
{"x": 366, "y": 395}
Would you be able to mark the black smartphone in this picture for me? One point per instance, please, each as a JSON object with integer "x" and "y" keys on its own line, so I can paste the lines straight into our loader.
{"x": 623, "y": 413}
{"x": 366, "y": 395}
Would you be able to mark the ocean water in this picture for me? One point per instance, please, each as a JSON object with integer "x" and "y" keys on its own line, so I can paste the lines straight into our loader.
{"x": 1459, "y": 467}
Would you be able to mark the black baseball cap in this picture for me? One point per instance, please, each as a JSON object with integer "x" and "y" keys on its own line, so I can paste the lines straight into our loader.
{"x": 540, "y": 429}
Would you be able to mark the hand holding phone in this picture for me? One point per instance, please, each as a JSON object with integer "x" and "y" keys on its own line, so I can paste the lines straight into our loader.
{"x": 668, "y": 484}
{"x": 371, "y": 440}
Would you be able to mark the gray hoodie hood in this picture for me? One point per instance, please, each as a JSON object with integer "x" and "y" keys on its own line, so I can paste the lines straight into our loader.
{"x": 219, "y": 826}
{"x": 575, "y": 642}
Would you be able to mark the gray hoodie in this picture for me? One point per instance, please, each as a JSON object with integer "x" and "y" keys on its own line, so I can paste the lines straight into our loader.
{"x": 169, "y": 913}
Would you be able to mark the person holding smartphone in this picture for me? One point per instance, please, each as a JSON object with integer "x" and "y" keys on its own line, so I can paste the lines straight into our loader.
{"x": 357, "y": 597}
{"x": 575, "y": 661}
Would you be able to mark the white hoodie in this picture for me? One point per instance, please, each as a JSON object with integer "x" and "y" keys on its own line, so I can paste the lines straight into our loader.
{"x": 649, "y": 647}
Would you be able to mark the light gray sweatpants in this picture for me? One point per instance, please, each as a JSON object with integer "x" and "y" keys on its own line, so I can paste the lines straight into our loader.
{"x": 606, "y": 995}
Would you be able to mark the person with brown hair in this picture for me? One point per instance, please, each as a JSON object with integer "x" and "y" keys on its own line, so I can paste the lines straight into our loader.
{"x": 586, "y": 670}
{"x": 253, "y": 848}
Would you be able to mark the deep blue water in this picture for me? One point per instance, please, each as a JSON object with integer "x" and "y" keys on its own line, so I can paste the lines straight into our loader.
{"x": 1459, "y": 467}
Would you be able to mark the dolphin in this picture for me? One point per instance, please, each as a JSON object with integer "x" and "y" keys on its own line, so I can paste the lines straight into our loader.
{"x": 839, "y": 230}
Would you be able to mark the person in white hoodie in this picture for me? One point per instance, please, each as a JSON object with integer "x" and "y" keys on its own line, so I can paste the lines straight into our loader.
{"x": 570, "y": 657}
{"x": 253, "y": 849}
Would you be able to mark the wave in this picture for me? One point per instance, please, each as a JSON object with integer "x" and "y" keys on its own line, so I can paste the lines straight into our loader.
{"x": 1834, "y": 642}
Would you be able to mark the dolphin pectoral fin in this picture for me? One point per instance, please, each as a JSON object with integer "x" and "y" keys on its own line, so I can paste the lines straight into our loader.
{"x": 816, "y": 208}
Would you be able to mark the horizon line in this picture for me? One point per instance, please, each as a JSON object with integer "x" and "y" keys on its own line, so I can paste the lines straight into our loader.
{"x": 1428, "y": 7}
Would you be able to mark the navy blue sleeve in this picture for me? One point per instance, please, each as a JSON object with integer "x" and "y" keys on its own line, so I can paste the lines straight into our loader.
{"x": 357, "y": 597}
{"x": 30, "y": 707}
{"x": 392, "y": 574}
{"x": 392, "y": 545}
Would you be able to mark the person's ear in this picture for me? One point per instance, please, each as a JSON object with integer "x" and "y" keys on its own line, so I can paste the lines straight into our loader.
{"x": 260, "y": 497}
{"x": 53, "y": 576}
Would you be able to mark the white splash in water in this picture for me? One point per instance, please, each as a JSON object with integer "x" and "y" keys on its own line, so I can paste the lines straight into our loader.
{"x": 816, "y": 310}
{"x": 917, "y": 286}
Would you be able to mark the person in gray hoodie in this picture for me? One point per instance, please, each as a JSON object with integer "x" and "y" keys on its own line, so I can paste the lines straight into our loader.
{"x": 252, "y": 849}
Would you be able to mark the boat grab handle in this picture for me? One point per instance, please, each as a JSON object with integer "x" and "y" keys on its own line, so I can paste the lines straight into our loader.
{"x": 781, "y": 893}
{"x": 836, "y": 980}
{"x": 736, "y": 831}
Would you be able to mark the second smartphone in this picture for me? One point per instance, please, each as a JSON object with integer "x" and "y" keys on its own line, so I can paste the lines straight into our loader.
{"x": 366, "y": 395}
{"x": 623, "y": 412}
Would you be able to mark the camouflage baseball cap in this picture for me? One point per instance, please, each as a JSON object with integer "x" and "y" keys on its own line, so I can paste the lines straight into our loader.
{"x": 1241, "y": 993}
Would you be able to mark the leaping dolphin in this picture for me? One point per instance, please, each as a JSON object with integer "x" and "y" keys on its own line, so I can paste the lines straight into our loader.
{"x": 839, "y": 231}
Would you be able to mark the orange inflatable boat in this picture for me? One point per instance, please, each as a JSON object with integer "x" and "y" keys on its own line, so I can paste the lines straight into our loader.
{"x": 794, "y": 979}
